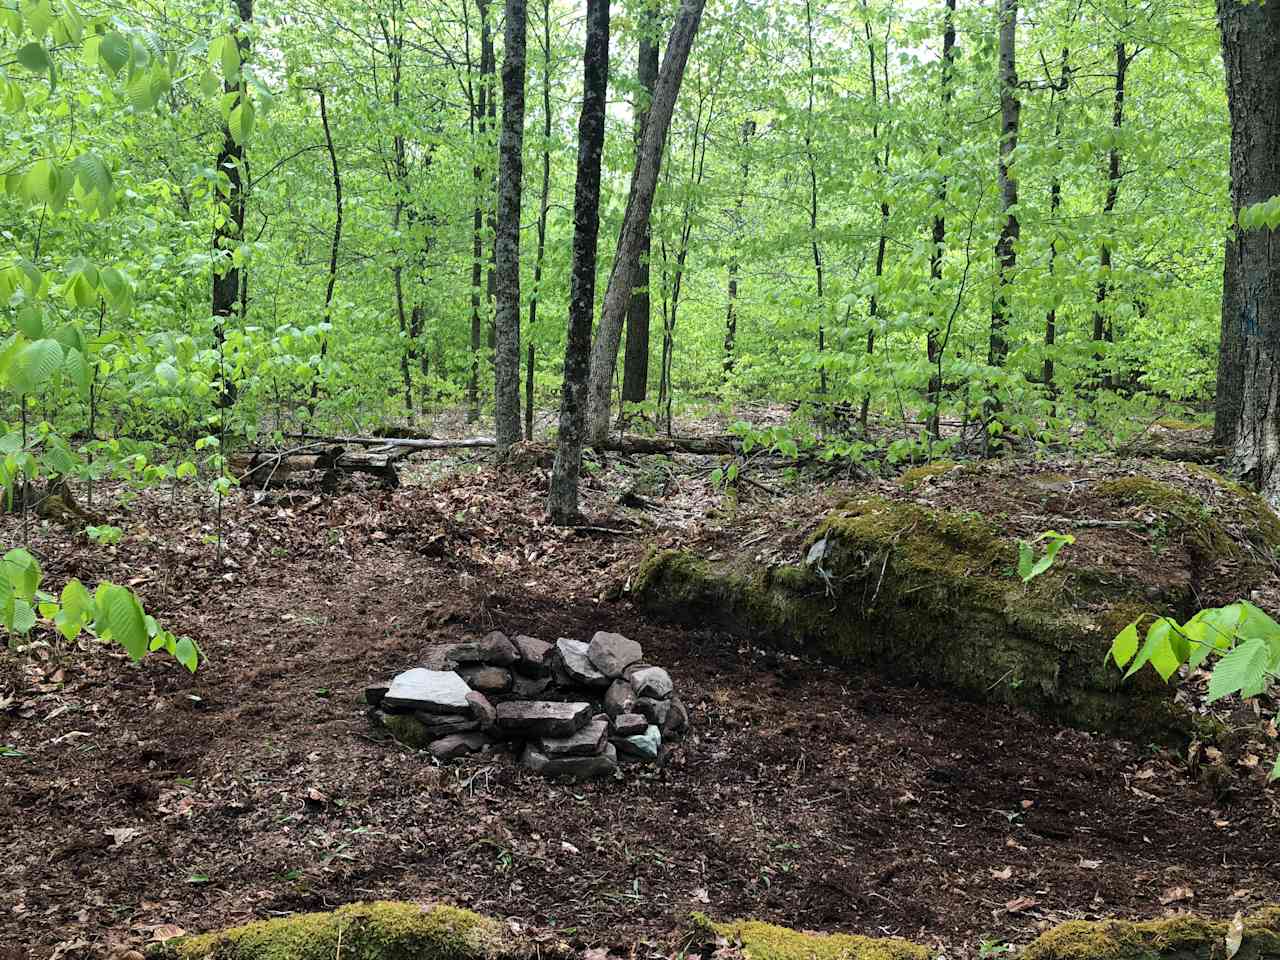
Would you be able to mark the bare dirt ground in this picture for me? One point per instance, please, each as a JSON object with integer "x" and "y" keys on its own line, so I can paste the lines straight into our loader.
{"x": 136, "y": 796}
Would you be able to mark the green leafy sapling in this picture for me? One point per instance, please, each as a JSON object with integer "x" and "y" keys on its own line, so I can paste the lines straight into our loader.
{"x": 110, "y": 613}
{"x": 1244, "y": 639}
{"x": 1029, "y": 565}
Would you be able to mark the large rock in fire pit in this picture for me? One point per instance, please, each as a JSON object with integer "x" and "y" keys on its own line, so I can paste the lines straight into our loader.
{"x": 577, "y": 768}
{"x": 433, "y": 691}
{"x": 572, "y": 656}
{"x": 543, "y": 718}
{"x": 611, "y": 653}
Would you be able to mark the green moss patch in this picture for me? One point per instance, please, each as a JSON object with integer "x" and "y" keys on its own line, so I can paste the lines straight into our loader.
{"x": 1183, "y": 938}
{"x": 764, "y": 941}
{"x": 381, "y": 930}
{"x": 930, "y": 594}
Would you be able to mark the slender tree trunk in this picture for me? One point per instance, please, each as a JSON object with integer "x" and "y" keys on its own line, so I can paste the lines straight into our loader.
{"x": 933, "y": 346}
{"x": 562, "y": 499}
{"x": 1251, "y": 52}
{"x": 393, "y": 37}
{"x": 507, "y": 239}
{"x": 635, "y": 366}
{"x": 478, "y": 92}
{"x": 1102, "y": 327}
{"x": 542, "y": 213}
{"x": 813, "y": 199}
{"x": 232, "y": 164}
{"x": 1006, "y": 252}
{"x": 882, "y": 168}
{"x": 489, "y": 73}
{"x": 1055, "y": 203}
{"x": 622, "y": 278}
{"x": 731, "y": 317}
{"x": 333, "y": 246}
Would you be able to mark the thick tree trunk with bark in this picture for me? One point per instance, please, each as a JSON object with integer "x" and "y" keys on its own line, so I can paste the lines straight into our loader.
{"x": 562, "y": 499}
{"x": 933, "y": 344}
{"x": 635, "y": 222}
{"x": 635, "y": 365}
{"x": 506, "y": 360}
{"x": 1006, "y": 250}
{"x": 1251, "y": 54}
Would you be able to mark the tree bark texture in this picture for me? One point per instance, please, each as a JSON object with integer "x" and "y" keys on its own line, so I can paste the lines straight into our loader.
{"x": 933, "y": 343}
{"x": 506, "y": 360}
{"x": 1006, "y": 250}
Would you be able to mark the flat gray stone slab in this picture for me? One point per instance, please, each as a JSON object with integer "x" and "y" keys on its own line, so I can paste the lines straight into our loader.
{"x": 458, "y": 745}
{"x": 486, "y": 679}
{"x": 644, "y": 745}
{"x": 573, "y": 657}
{"x": 587, "y": 742}
{"x": 533, "y": 655}
{"x": 494, "y": 649}
{"x": 629, "y": 724}
{"x": 434, "y": 691}
{"x": 652, "y": 682}
{"x": 543, "y": 718}
{"x": 577, "y": 768}
{"x": 611, "y": 653}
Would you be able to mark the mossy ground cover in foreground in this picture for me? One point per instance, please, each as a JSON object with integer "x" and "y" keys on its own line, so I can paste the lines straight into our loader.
{"x": 918, "y": 580}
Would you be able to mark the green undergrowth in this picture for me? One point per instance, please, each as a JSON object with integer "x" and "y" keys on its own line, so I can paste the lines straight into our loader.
{"x": 381, "y": 930}
{"x": 931, "y": 594}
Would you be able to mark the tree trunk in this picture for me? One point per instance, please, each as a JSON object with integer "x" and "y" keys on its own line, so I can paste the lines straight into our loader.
{"x": 542, "y": 213}
{"x": 813, "y": 198}
{"x": 232, "y": 164}
{"x": 562, "y": 500}
{"x": 622, "y": 278}
{"x": 1006, "y": 253}
{"x": 1102, "y": 328}
{"x": 1250, "y": 52}
{"x": 731, "y": 317}
{"x": 882, "y": 168}
{"x": 933, "y": 346}
{"x": 506, "y": 361}
{"x": 635, "y": 366}
{"x": 1055, "y": 203}
{"x": 488, "y": 73}
{"x": 478, "y": 93}
{"x": 1228, "y": 397}
{"x": 333, "y": 247}
{"x": 393, "y": 37}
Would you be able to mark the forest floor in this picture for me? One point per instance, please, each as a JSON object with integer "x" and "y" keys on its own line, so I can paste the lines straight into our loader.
{"x": 137, "y": 796}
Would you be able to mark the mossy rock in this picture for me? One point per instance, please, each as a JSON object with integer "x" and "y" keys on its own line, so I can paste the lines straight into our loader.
{"x": 1174, "y": 938}
{"x": 931, "y": 595}
{"x": 914, "y": 476}
{"x": 382, "y": 930}
{"x": 764, "y": 941}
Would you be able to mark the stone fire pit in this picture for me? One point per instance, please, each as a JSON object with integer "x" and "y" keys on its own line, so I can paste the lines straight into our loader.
{"x": 570, "y": 709}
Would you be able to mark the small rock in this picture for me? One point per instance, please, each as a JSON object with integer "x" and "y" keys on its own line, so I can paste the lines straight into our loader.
{"x": 494, "y": 649}
{"x": 533, "y": 656}
{"x": 543, "y": 718}
{"x": 486, "y": 679}
{"x": 652, "y": 682}
{"x": 619, "y": 698}
{"x": 629, "y": 724}
{"x": 435, "y": 691}
{"x": 587, "y": 742}
{"x": 458, "y": 745}
{"x": 435, "y": 725}
{"x": 644, "y": 745}
{"x": 578, "y": 768}
{"x": 655, "y": 711}
{"x": 677, "y": 720}
{"x": 374, "y": 693}
{"x": 572, "y": 655}
{"x": 529, "y": 688}
{"x": 611, "y": 653}
{"x": 482, "y": 710}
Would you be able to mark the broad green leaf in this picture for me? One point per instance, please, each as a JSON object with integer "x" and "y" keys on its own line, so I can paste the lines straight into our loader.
{"x": 187, "y": 654}
{"x": 24, "y": 617}
{"x": 35, "y": 364}
{"x": 1125, "y": 645}
{"x": 240, "y": 123}
{"x": 1243, "y": 671}
{"x": 22, "y": 570}
{"x": 167, "y": 374}
{"x": 1026, "y": 560}
{"x": 114, "y": 51}
{"x": 34, "y": 57}
{"x": 128, "y": 626}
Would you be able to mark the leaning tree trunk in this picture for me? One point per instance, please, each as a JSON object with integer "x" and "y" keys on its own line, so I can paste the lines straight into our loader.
{"x": 1006, "y": 251}
{"x": 635, "y": 365}
{"x": 562, "y": 499}
{"x": 506, "y": 359}
{"x": 635, "y": 222}
{"x": 1251, "y": 52}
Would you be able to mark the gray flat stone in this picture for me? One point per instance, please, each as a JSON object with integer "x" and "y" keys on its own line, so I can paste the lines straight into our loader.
{"x": 629, "y": 724}
{"x": 458, "y": 745}
{"x": 611, "y": 653}
{"x": 619, "y": 698}
{"x": 436, "y": 725}
{"x": 533, "y": 656}
{"x": 587, "y": 742}
{"x": 486, "y": 679}
{"x": 482, "y": 710}
{"x": 435, "y": 691}
{"x": 652, "y": 682}
{"x": 577, "y": 768}
{"x": 655, "y": 711}
{"x": 543, "y": 718}
{"x": 572, "y": 656}
{"x": 643, "y": 745}
{"x": 494, "y": 649}
{"x": 529, "y": 688}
